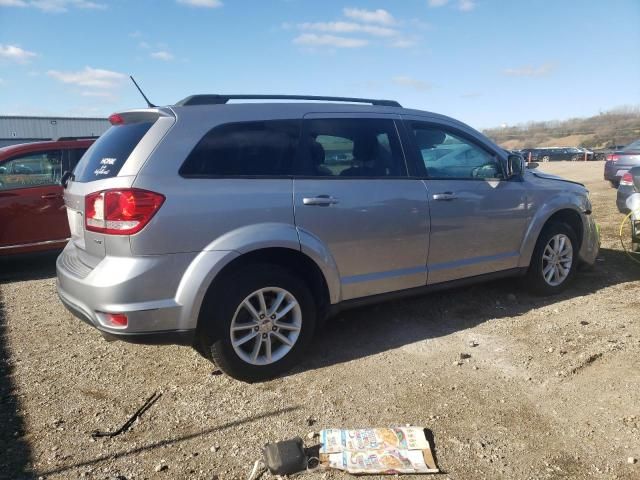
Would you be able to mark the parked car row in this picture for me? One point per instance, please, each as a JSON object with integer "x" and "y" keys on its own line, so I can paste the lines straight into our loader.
{"x": 32, "y": 212}
{"x": 621, "y": 161}
{"x": 554, "y": 154}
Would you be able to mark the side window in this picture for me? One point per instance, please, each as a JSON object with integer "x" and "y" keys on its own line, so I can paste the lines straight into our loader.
{"x": 362, "y": 147}
{"x": 245, "y": 149}
{"x": 31, "y": 170}
{"x": 448, "y": 155}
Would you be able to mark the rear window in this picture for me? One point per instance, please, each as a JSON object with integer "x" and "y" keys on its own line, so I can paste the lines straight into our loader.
{"x": 265, "y": 149}
{"x": 108, "y": 154}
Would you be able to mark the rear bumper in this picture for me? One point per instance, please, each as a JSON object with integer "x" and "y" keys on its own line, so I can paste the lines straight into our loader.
{"x": 142, "y": 288}
{"x": 170, "y": 337}
{"x": 621, "y": 198}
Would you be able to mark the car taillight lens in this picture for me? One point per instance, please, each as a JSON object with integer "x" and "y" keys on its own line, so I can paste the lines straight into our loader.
{"x": 627, "y": 179}
{"x": 120, "y": 212}
{"x": 115, "y": 320}
{"x": 612, "y": 157}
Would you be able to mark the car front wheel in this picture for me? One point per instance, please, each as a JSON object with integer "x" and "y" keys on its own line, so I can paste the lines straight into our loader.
{"x": 554, "y": 259}
{"x": 259, "y": 325}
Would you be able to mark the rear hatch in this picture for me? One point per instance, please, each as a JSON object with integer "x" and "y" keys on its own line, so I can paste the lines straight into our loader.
{"x": 112, "y": 162}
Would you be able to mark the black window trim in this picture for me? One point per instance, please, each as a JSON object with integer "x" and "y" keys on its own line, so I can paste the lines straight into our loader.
{"x": 422, "y": 172}
{"x": 299, "y": 159}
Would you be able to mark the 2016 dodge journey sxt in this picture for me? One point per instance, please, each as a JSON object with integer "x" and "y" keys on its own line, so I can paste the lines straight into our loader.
{"x": 238, "y": 228}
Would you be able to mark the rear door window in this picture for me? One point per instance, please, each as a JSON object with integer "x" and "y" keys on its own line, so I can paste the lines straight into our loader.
{"x": 247, "y": 149}
{"x": 108, "y": 154}
{"x": 31, "y": 170}
{"x": 352, "y": 148}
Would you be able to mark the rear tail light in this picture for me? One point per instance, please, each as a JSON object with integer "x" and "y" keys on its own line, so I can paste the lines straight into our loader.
{"x": 612, "y": 157}
{"x": 120, "y": 212}
{"x": 115, "y": 320}
{"x": 627, "y": 179}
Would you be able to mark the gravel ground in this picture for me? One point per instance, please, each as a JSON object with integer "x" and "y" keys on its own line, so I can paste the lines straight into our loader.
{"x": 552, "y": 389}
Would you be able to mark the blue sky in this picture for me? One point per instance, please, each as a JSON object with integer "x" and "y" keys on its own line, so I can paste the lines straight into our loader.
{"x": 485, "y": 62}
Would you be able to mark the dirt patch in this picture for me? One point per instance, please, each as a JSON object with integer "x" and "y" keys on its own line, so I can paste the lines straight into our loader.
{"x": 549, "y": 391}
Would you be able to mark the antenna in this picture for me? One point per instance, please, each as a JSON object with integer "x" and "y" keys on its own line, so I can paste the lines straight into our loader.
{"x": 149, "y": 104}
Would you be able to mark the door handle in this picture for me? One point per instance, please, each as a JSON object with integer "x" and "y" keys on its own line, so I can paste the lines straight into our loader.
{"x": 320, "y": 200}
{"x": 51, "y": 196}
{"x": 445, "y": 196}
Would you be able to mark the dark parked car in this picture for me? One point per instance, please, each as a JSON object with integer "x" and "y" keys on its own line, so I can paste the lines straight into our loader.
{"x": 32, "y": 212}
{"x": 620, "y": 162}
{"x": 553, "y": 154}
{"x": 629, "y": 184}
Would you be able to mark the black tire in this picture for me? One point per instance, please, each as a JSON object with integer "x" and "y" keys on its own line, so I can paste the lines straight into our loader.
{"x": 534, "y": 279}
{"x": 220, "y": 306}
{"x": 614, "y": 184}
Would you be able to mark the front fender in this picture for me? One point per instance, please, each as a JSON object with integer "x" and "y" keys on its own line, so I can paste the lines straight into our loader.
{"x": 563, "y": 201}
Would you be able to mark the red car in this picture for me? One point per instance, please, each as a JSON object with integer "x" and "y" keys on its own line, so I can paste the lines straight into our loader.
{"x": 32, "y": 213}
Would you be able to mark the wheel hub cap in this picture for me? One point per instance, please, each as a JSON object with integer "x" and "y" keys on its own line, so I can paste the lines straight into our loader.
{"x": 266, "y": 326}
{"x": 557, "y": 259}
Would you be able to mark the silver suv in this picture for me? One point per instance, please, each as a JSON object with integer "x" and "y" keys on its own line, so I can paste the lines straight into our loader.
{"x": 238, "y": 228}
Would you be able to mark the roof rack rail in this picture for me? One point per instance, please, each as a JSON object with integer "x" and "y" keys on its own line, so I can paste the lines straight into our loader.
{"x": 222, "y": 99}
{"x": 85, "y": 137}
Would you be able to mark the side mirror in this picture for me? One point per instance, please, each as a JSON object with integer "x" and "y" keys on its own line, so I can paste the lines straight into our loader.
{"x": 515, "y": 166}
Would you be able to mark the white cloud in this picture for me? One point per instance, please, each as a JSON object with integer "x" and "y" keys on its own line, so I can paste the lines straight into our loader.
{"x": 530, "y": 71}
{"x": 348, "y": 27}
{"x": 162, "y": 55}
{"x": 466, "y": 5}
{"x": 462, "y": 5}
{"x": 202, "y": 3}
{"x": 13, "y": 3}
{"x": 89, "y": 77}
{"x": 136, "y": 34}
{"x": 405, "y": 81}
{"x": 98, "y": 94}
{"x": 403, "y": 43}
{"x": 15, "y": 53}
{"x": 370, "y": 16}
{"x": 144, "y": 45}
{"x": 314, "y": 40}
{"x": 54, "y": 6}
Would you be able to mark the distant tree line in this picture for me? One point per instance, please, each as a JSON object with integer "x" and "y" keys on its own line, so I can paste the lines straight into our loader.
{"x": 619, "y": 126}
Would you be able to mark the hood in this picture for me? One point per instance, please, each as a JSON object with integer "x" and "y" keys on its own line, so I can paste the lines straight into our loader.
{"x": 547, "y": 176}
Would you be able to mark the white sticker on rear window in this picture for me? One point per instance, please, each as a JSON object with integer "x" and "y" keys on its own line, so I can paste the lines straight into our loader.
{"x": 107, "y": 161}
{"x": 103, "y": 170}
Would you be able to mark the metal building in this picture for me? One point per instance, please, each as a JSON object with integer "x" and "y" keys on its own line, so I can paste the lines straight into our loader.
{"x": 17, "y": 129}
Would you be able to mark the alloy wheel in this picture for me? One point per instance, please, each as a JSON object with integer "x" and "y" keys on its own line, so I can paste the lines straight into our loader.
{"x": 266, "y": 326}
{"x": 557, "y": 259}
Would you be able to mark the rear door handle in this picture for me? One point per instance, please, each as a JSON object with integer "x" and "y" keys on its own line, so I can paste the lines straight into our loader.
{"x": 320, "y": 200}
{"x": 51, "y": 196}
{"x": 445, "y": 196}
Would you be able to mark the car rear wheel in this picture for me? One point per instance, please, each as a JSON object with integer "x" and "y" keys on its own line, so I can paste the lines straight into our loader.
{"x": 259, "y": 325}
{"x": 545, "y": 158}
{"x": 554, "y": 260}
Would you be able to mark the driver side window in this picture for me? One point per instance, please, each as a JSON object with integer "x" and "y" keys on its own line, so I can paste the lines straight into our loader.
{"x": 448, "y": 155}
